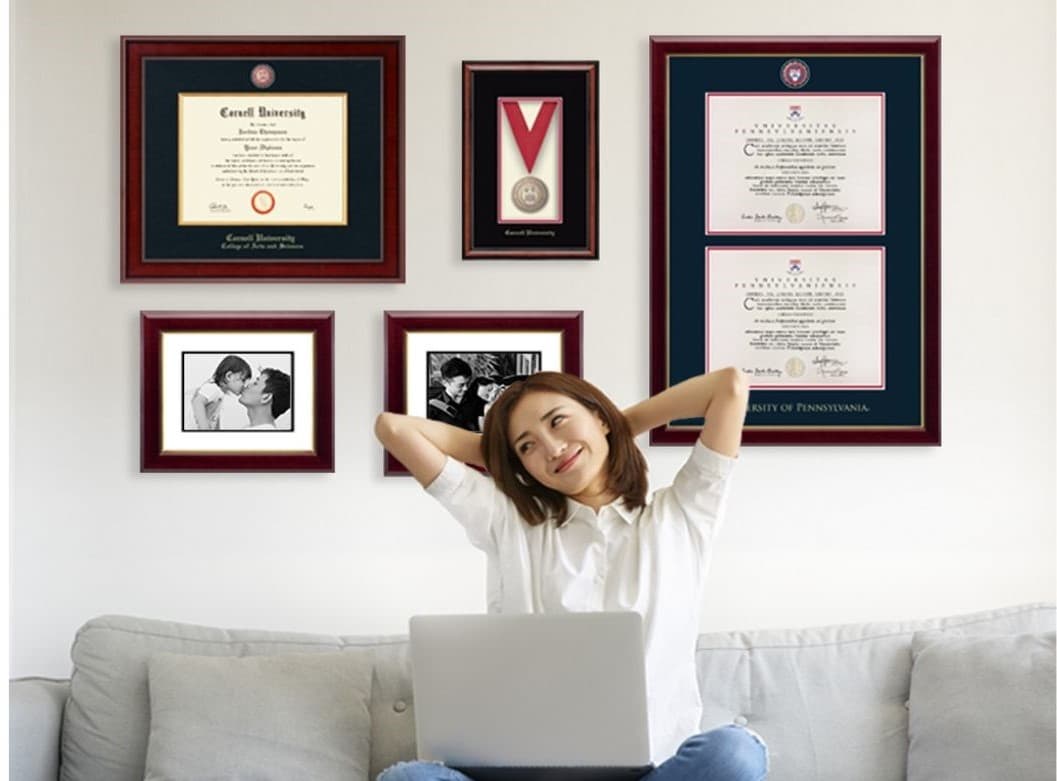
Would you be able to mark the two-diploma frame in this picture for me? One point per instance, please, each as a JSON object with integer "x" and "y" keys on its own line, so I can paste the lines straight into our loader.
{"x": 262, "y": 158}
{"x": 794, "y": 221}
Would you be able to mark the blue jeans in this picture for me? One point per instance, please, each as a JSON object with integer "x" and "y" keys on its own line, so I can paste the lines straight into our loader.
{"x": 728, "y": 753}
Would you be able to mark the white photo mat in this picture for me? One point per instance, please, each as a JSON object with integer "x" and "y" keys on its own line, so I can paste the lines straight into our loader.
{"x": 175, "y": 344}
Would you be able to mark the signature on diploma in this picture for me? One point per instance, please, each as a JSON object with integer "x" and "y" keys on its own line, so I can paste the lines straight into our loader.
{"x": 829, "y": 367}
{"x": 215, "y": 207}
{"x": 829, "y": 212}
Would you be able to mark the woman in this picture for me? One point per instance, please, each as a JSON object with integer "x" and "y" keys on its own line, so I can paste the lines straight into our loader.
{"x": 566, "y": 527}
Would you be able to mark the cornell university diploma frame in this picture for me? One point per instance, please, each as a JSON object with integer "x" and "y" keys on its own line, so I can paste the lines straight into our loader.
{"x": 262, "y": 158}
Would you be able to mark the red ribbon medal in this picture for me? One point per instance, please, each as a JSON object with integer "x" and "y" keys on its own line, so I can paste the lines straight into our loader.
{"x": 529, "y": 140}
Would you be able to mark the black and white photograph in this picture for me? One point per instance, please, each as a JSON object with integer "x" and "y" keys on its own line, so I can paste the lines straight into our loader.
{"x": 452, "y": 366}
{"x": 461, "y": 386}
{"x": 238, "y": 391}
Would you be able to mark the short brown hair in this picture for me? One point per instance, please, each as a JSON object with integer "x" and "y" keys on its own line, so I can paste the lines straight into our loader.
{"x": 626, "y": 466}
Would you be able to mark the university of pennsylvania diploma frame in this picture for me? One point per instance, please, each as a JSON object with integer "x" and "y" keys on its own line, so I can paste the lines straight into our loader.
{"x": 795, "y": 232}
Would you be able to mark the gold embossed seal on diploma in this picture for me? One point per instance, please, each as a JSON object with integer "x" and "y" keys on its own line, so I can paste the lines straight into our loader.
{"x": 262, "y": 159}
{"x": 530, "y": 164}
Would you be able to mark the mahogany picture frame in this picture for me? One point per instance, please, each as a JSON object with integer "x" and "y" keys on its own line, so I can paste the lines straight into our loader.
{"x": 904, "y": 408}
{"x": 415, "y": 341}
{"x": 567, "y": 225}
{"x": 171, "y": 440}
{"x": 364, "y": 242}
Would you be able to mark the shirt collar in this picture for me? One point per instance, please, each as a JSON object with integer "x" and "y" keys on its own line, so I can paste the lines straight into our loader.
{"x": 582, "y": 510}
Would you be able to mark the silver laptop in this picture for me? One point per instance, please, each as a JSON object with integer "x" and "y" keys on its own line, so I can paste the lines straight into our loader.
{"x": 521, "y": 697}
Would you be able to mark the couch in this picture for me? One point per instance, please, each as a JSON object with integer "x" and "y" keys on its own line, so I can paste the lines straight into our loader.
{"x": 963, "y": 697}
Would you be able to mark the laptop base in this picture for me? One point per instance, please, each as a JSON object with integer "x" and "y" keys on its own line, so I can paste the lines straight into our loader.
{"x": 582, "y": 773}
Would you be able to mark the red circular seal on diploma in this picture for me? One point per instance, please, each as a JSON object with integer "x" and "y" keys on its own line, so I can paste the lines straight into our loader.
{"x": 262, "y": 202}
{"x": 262, "y": 76}
{"x": 795, "y": 73}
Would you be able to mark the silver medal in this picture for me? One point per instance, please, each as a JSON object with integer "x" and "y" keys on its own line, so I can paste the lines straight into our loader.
{"x": 529, "y": 194}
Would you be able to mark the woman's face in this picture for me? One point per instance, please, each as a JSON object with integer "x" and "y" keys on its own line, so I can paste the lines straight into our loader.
{"x": 560, "y": 442}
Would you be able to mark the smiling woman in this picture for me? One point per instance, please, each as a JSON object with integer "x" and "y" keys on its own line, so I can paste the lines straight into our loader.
{"x": 564, "y": 520}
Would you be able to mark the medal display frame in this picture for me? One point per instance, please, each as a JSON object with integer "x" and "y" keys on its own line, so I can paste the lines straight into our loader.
{"x": 798, "y": 400}
{"x": 412, "y": 336}
{"x": 516, "y": 204}
{"x": 166, "y": 151}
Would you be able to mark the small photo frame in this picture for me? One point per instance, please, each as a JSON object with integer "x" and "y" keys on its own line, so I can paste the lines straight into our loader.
{"x": 530, "y": 160}
{"x": 451, "y": 366}
{"x": 237, "y": 391}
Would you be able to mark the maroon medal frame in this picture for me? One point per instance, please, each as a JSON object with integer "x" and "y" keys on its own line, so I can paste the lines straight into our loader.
{"x": 573, "y": 233}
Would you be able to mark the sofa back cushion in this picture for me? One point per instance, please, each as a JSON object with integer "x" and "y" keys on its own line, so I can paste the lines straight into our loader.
{"x": 831, "y": 702}
{"x": 269, "y": 718}
{"x": 107, "y": 719}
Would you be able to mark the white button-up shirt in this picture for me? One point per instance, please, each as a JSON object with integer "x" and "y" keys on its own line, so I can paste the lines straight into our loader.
{"x": 652, "y": 561}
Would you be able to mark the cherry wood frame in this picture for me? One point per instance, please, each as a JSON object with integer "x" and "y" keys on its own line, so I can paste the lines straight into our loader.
{"x": 523, "y": 79}
{"x": 399, "y": 324}
{"x": 137, "y": 267}
{"x": 152, "y": 327}
{"x": 662, "y": 49}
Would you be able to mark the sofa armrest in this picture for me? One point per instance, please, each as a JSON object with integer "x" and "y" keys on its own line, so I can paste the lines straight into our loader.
{"x": 35, "y": 709}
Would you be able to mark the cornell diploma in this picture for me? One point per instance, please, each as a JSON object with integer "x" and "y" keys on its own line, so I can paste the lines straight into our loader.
{"x": 803, "y": 318}
{"x": 262, "y": 159}
{"x": 794, "y": 163}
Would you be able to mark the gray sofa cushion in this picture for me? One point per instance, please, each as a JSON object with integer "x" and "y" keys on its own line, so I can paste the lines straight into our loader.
{"x": 35, "y": 708}
{"x": 269, "y": 718}
{"x": 831, "y": 701}
{"x": 982, "y": 708}
{"x": 107, "y": 717}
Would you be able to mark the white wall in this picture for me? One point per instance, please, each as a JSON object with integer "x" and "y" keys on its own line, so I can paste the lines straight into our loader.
{"x": 814, "y": 535}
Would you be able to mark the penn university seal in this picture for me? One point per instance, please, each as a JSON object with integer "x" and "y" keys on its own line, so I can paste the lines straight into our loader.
{"x": 795, "y": 73}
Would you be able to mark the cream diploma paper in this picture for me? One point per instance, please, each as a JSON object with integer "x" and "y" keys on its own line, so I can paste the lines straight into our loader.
{"x": 263, "y": 159}
{"x": 797, "y": 317}
{"x": 794, "y": 163}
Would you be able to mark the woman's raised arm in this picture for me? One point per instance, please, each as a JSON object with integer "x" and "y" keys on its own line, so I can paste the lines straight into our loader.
{"x": 720, "y": 396}
{"x": 423, "y": 445}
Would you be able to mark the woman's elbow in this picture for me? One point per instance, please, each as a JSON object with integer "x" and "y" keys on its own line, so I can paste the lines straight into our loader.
{"x": 734, "y": 383}
{"x": 386, "y": 426}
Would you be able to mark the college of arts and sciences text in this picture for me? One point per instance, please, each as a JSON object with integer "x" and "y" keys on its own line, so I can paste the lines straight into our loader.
{"x": 794, "y": 164}
{"x": 252, "y": 160}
